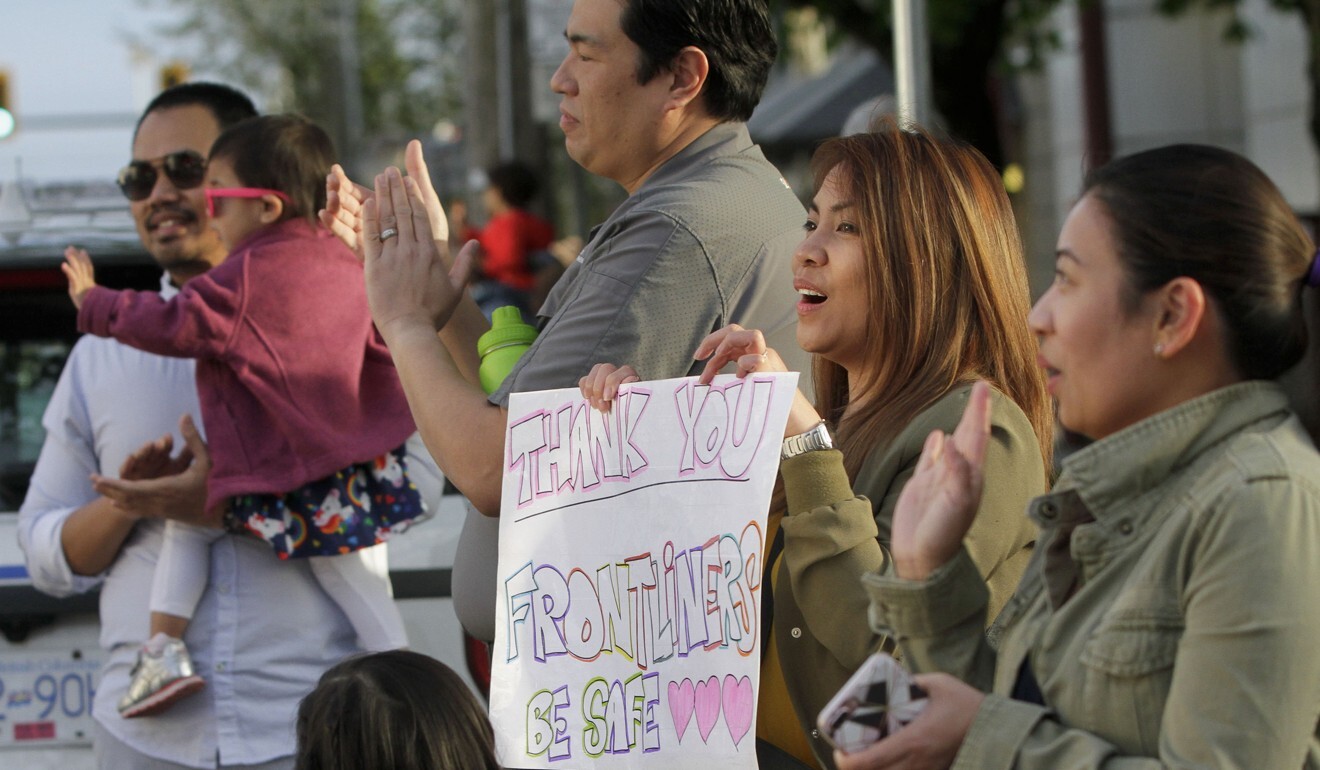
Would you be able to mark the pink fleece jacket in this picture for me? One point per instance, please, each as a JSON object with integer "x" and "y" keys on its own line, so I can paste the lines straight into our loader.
{"x": 294, "y": 382}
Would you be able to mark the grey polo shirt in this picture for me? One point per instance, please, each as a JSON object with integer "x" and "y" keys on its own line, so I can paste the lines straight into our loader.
{"x": 706, "y": 241}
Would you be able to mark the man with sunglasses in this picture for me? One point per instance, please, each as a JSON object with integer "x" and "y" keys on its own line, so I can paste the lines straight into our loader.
{"x": 264, "y": 630}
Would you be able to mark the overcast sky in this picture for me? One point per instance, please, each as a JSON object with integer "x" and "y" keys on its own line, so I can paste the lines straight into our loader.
{"x": 76, "y": 58}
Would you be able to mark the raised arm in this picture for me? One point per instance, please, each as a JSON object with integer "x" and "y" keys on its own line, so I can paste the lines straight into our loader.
{"x": 412, "y": 292}
{"x": 198, "y": 322}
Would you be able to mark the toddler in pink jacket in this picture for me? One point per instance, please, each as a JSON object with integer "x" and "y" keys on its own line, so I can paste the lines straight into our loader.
{"x": 302, "y": 407}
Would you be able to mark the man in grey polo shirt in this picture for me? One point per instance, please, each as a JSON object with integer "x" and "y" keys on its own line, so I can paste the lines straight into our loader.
{"x": 706, "y": 240}
{"x": 654, "y": 97}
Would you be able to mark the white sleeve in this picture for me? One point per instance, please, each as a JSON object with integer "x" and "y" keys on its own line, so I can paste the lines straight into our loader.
{"x": 423, "y": 471}
{"x": 60, "y": 485}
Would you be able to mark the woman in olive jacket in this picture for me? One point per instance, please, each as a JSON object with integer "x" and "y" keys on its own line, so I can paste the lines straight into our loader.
{"x": 1170, "y": 615}
{"x": 912, "y": 286}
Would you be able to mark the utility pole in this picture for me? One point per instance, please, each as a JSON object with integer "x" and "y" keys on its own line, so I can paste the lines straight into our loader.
{"x": 483, "y": 86}
{"x": 912, "y": 62}
{"x": 501, "y": 125}
{"x": 527, "y": 138}
{"x": 1095, "y": 84}
{"x": 350, "y": 79}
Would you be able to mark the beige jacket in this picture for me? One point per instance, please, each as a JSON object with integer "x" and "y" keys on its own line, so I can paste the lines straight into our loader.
{"x": 1191, "y": 639}
{"x": 819, "y": 603}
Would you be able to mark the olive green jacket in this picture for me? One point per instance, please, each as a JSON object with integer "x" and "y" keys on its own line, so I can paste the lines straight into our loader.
{"x": 1191, "y": 639}
{"x": 819, "y": 602}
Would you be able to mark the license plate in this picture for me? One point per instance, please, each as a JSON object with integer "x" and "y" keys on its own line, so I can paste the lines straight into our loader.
{"x": 46, "y": 697}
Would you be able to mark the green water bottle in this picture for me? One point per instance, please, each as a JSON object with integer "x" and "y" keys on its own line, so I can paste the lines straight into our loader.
{"x": 502, "y": 346}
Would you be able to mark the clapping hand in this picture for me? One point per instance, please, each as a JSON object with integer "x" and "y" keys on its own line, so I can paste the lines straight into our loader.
{"x": 937, "y": 505}
{"x": 344, "y": 201}
{"x": 408, "y": 280}
{"x": 153, "y": 484}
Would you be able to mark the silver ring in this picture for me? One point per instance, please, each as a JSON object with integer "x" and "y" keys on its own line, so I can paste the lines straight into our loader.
{"x": 387, "y": 234}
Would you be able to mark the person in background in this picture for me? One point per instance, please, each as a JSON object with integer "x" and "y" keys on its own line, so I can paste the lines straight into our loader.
{"x": 514, "y": 242}
{"x": 305, "y": 413}
{"x": 400, "y": 710}
{"x": 912, "y": 286}
{"x": 258, "y": 616}
{"x": 1169, "y": 617}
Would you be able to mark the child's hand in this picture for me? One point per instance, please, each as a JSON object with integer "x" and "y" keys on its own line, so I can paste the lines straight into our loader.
{"x": 601, "y": 384}
{"x": 78, "y": 269}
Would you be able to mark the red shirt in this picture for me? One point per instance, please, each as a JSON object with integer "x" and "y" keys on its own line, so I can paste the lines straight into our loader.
{"x": 508, "y": 240}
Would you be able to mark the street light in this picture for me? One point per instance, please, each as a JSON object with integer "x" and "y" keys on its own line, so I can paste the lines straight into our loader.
{"x": 7, "y": 122}
{"x": 173, "y": 74}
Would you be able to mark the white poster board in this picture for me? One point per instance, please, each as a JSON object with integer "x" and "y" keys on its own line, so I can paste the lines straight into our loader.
{"x": 631, "y": 547}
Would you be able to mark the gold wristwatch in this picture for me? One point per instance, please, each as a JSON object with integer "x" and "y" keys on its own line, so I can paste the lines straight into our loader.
{"x": 818, "y": 437}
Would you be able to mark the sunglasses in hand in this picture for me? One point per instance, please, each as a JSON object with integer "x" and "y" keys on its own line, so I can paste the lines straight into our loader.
{"x": 185, "y": 169}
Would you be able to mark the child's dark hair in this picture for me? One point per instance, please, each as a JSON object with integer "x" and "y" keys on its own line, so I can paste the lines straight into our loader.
{"x": 288, "y": 153}
{"x": 516, "y": 182}
{"x": 398, "y": 709}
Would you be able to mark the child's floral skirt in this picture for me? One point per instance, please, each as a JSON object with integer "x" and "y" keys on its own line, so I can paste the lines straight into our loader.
{"x": 360, "y": 506}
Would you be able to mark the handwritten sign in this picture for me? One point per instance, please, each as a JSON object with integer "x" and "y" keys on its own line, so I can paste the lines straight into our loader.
{"x": 631, "y": 549}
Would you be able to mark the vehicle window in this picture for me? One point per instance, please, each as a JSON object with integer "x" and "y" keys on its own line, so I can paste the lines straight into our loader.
{"x": 37, "y": 331}
{"x": 30, "y": 370}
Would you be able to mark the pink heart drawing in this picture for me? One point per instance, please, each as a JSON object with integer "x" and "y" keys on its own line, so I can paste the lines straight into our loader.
{"x": 738, "y": 703}
{"x": 707, "y": 706}
{"x": 680, "y": 705}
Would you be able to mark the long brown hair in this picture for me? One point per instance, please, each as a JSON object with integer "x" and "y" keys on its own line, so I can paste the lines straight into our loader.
{"x": 946, "y": 286}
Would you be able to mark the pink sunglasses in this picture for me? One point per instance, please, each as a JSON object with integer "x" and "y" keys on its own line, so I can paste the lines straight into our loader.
{"x": 238, "y": 192}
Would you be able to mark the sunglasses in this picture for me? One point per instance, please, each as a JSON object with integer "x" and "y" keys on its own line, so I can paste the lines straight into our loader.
{"x": 212, "y": 193}
{"x": 185, "y": 169}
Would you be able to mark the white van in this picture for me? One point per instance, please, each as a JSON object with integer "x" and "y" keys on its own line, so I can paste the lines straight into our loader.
{"x": 49, "y": 657}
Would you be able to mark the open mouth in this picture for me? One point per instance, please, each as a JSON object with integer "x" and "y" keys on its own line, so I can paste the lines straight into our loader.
{"x": 172, "y": 218}
{"x": 809, "y": 297}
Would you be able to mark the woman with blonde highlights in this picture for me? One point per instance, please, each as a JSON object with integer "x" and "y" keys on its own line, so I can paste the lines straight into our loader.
{"x": 912, "y": 287}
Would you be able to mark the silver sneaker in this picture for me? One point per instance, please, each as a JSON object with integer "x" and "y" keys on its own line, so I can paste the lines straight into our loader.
{"x": 160, "y": 680}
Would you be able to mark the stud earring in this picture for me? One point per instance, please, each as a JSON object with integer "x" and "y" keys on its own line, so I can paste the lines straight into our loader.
{"x": 1159, "y": 349}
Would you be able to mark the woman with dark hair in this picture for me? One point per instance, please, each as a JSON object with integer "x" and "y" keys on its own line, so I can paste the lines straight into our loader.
{"x": 400, "y": 710}
{"x": 1170, "y": 617}
{"x": 912, "y": 287}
